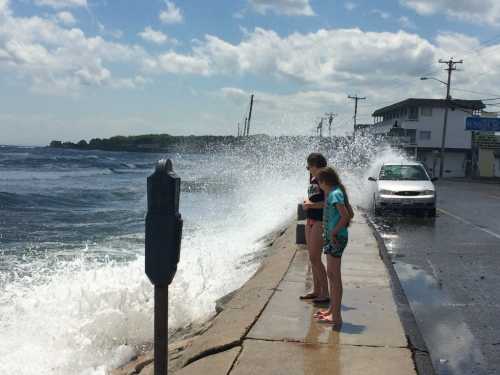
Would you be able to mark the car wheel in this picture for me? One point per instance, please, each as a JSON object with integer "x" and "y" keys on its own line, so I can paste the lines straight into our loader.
{"x": 432, "y": 212}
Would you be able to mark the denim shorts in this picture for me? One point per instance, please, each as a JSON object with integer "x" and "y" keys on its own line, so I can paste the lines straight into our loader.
{"x": 336, "y": 250}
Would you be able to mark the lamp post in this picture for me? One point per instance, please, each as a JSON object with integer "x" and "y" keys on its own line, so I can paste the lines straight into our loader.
{"x": 445, "y": 121}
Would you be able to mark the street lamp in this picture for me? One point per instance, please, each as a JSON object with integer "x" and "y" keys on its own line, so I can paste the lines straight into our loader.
{"x": 445, "y": 122}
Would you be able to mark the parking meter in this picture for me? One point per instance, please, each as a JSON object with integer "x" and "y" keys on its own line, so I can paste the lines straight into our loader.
{"x": 163, "y": 224}
{"x": 162, "y": 250}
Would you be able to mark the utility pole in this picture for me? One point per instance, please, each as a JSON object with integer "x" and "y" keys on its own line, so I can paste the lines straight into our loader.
{"x": 238, "y": 129}
{"x": 250, "y": 115}
{"x": 245, "y": 127}
{"x": 450, "y": 68}
{"x": 331, "y": 116}
{"x": 319, "y": 128}
{"x": 356, "y": 98}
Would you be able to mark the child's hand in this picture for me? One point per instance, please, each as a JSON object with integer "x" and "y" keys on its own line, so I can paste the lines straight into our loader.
{"x": 335, "y": 241}
{"x": 307, "y": 204}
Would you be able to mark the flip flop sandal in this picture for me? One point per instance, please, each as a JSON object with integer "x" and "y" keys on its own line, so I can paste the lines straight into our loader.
{"x": 308, "y": 296}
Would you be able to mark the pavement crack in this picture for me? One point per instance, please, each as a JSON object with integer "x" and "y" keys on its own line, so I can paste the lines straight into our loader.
{"x": 212, "y": 351}
{"x": 297, "y": 341}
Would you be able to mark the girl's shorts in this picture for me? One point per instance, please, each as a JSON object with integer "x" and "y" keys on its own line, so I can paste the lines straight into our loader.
{"x": 336, "y": 250}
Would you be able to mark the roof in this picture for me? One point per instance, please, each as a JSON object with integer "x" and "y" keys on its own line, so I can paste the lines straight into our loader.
{"x": 413, "y": 102}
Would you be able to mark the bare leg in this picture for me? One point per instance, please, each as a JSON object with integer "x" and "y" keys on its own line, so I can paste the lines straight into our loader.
{"x": 315, "y": 247}
{"x": 335, "y": 279}
{"x": 315, "y": 290}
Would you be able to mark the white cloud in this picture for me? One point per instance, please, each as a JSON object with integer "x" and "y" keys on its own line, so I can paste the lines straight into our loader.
{"x": 155, "y": 36}
{"x": 172, "y": 62}
{"x": 55, "y": 59}
{"x": 286, "y": 7}
{"x": 66, "y": 18}
{"x": 486, "y": 11}
{"x": 406, "y": 23}
{"x": 350, "y": 6}
{"x": 58, "y": 4}
{"x": 383, "y": 66}
{"x": 172, "y": 14}
{"x": 321, "y": 58}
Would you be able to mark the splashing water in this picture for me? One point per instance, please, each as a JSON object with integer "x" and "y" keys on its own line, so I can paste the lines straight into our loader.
{"x": 73, "y": 295}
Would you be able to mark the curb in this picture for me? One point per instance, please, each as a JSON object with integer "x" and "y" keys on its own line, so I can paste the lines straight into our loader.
{"x": 416, "y": 343}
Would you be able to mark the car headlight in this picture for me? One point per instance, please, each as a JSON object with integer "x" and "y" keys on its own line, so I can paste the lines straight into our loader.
{"x": 428, "y": 192}
{"x": 386, "y": 192}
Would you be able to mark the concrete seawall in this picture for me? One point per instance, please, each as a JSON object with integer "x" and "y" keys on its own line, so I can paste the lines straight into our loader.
{"x": 265, "y": 329}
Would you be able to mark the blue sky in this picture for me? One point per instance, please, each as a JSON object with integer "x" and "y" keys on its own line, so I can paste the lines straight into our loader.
{"x": 73, "y": 69}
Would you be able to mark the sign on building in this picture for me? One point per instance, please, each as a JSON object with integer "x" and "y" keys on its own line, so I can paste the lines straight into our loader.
{"x": 482, "y": 124}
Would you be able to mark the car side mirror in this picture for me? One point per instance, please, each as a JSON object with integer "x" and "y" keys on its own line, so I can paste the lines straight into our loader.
{"x": 434, "y": 179}
{"x": 372, "y": 179}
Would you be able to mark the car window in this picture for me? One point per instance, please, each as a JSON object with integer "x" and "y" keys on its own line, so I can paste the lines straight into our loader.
{"x": 403, "y": 172}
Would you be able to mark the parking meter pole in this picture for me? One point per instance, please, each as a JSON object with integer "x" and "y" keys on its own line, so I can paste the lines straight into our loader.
{"x": 161, "y": 330}
{"x": 162, "y": 249}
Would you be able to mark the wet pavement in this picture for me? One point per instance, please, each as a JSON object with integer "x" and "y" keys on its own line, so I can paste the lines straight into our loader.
{"x": 449, "y": 269}
{"x": 286, "y": 339}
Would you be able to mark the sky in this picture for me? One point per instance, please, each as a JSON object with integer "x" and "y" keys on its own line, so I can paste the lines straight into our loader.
{"x": 80, "y": 69}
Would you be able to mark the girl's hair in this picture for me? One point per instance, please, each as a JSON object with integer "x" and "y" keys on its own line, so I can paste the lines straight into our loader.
{"x": 316, "y": 160}
{"x": 330, "y": 177}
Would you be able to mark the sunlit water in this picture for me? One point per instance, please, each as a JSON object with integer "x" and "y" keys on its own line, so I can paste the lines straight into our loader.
{"x": 73, "y": 295}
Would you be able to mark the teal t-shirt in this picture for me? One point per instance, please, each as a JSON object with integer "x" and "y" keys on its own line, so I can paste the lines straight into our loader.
{"x": 331, "y": 215}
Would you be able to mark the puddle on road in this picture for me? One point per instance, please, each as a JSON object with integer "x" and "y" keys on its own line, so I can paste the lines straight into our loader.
{"x": 453, "y": 348}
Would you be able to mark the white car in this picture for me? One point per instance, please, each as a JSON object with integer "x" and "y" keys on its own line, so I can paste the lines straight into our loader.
{"x": 401, "y": 186}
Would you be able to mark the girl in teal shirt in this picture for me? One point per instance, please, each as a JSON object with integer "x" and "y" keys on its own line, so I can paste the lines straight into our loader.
{"x": 336, "y": 217}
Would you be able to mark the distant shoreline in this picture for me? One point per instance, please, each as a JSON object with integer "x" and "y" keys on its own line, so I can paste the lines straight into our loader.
{"x": 169, "y": 143}
{"x": 148, "y": 143}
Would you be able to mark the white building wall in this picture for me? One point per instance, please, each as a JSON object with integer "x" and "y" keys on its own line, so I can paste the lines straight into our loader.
{"x": 456, "y": 135}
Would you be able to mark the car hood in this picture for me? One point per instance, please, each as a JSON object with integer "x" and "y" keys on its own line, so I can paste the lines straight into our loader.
{"x": 405, "y": 185}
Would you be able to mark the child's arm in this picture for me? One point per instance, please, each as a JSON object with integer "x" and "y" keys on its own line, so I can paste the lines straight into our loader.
{"x": 308, "y": 204}
{"x": 344, "y": 220}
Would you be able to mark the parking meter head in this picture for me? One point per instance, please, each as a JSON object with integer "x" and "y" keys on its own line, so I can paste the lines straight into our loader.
{"x": 163, "y": 225}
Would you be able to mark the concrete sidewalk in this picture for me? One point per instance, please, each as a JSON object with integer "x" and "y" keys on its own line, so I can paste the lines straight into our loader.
{"x": 285, "y": 339}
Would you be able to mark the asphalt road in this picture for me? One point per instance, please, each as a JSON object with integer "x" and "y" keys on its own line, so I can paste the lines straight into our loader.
{"x": 449, "y": 268}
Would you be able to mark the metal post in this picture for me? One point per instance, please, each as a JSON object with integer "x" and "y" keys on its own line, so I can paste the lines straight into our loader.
{"x": 250, "y": 115}
{"x": 443, "y": 141}
{"x": 161, "y": 330}
{"x": 162, "y": 250}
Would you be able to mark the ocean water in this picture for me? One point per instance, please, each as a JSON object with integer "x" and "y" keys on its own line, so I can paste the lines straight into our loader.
{"x": 74, "y": 298}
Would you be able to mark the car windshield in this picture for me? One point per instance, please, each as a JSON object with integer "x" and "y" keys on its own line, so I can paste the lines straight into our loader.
{"x": 403, "y": 172}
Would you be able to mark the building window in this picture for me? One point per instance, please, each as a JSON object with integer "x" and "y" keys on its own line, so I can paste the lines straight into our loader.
{"x": 413, "y": 113}
{"x": 426, "y": 111}
{"x": 425, "y": 135}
